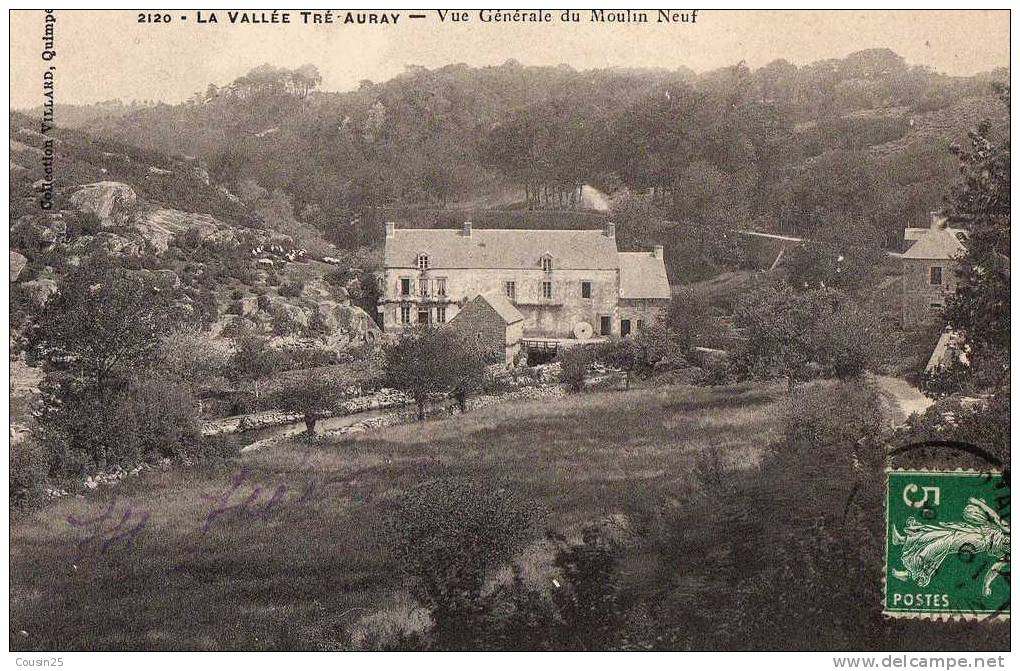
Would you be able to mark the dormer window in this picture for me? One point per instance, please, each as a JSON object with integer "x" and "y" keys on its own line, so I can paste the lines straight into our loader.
{"x": 423, "y": 262}
{"x": 547, "y": 263}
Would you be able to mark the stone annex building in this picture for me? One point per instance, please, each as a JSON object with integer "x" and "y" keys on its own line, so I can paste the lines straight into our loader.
{"x": 929, "y": 270}
{"x": 537, "y": 288}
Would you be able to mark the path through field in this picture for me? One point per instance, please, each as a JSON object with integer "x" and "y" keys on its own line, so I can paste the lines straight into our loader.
{"x": 908, "y": 398}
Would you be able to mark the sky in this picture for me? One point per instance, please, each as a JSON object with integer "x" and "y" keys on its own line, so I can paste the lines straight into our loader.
{"x": 102, "y": 55}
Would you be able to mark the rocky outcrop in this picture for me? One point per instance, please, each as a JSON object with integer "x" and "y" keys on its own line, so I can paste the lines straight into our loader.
{"x": 104, "y": 198}
{"x": 40, "y": 289}
{"x": 158, "y": 227}
{"x": 114, "y": 244}
{"x": 18, "y": 263}
{"x": 348, "y": 324}
{"x": 43, "y": 231}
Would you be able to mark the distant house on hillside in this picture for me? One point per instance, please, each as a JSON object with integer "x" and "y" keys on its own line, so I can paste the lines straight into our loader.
{"x": 567, "y": 285}
{"x": 929, "y": 270}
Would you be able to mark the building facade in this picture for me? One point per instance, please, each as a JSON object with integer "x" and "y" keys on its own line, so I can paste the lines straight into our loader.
{"x": 495, "y": 324}
{"x": 929, "y": 271}
{"x": 566, "y": 284}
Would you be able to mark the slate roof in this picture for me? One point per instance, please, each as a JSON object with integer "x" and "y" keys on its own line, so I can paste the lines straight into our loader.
{"x": 642, "y": 276}
{"x": 938, "y": 243}
{"x": 503, "y": 307}
{"x": 493, "y": 248}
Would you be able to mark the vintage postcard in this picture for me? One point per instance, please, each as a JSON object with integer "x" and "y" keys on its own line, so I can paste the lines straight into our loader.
{"x": 556, "y": 330}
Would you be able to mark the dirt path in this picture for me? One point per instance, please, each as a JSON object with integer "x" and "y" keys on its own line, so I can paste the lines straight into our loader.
{"x": 907, "y": 398}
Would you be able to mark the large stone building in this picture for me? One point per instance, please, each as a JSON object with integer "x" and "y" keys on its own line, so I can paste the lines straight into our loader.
{"x": 567, "y": 285}
{"x": 929, "y": 270}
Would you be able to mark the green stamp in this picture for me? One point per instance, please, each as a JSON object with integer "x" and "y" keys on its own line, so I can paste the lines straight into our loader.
{"x": 947, "y": 544}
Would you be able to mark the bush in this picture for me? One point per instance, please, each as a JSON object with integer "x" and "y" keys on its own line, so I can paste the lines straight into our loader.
{"x": 166, "y": 416}
{"x": 89, "y": 429}
{"x": 29, "y": 467}
{"x": 574, "y": 365}
{"x": 833, "y": 414}
{"x": 291, "y": 289}
{"x": 447, "y": 536}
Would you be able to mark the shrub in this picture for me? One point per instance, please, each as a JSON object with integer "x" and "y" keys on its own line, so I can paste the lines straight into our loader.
{"x": 588, "y": 605}
{"x": 447, "y": 536}
{"x": 833, "y": 414}
{"x": 236, "y": 294}
{"x": 87, "y": 428}
{"x": 29, "y": 466}
{"x": 291, "y": 289}
{"x": 166, "y": 416}
{"x": 574, "y": 365}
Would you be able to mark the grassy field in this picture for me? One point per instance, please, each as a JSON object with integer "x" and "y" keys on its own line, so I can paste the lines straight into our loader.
{"x": 285, "y": 548}
{"x": 276, "y": 575}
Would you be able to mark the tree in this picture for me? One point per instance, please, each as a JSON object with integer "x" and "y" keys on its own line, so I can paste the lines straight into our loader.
{"x": 806, "y": 334}
{"x": 105, "y": 321}
{"x": 306, "y": 78}
{"x": 447, "y": 536}
{"x": 684, "y": 319}
{"x": 429, "y": 362}
{"x": 467, "y": 369}
{"x": 624, "y": 354}
{"x": 846, "y": 255}
{"x": 253, "y": 363}
{"x": 981, "y": 306}
{"x": 780, "y": 327}
{"x": 848, "y": 340}
{"x": 574, "y": 365}
{"x": 315, "y": 395}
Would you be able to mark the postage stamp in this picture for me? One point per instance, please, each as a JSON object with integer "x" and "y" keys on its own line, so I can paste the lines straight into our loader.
{"x": 947, "y": 544}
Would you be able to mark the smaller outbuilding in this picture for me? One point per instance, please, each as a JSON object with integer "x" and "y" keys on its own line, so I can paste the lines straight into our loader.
{"x": 496, "y": 324}
{"x": 929, "y": 270}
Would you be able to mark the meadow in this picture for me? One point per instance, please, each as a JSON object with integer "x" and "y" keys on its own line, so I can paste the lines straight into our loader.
{"x": 740, "y": 543}
{"x": 277, "y": 547}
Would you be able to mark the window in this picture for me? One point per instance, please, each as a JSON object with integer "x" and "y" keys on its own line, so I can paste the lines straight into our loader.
{"x": 405, "y": 286}
{"x": 511, "y": 289}
{"x": 423, "y": 287}
{"x": 441, "y": 314}
{"x": 624, "y": 328}
{"x": 935, "y": 275}
{"x": 605, "y": 326}
{"x": 547, "y": 264}
{"x": 405, "y": 314}
{"x": 585, "y": 289}
{"x": 638, "y": 325}
{"x": 423, "y": 262}
{"x": 547, "y": 289}
{"x": 441, "y": 286}
{"x": 423, "y": 315}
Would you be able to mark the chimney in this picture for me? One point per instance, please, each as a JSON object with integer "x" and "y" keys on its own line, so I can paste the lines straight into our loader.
{"x": 657, "y": 252}
{"x": 391, "y": 229}
{"x": 610, "y": 229}
{"x": 938, "y": 220}
{"x": 466, "y": 229}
